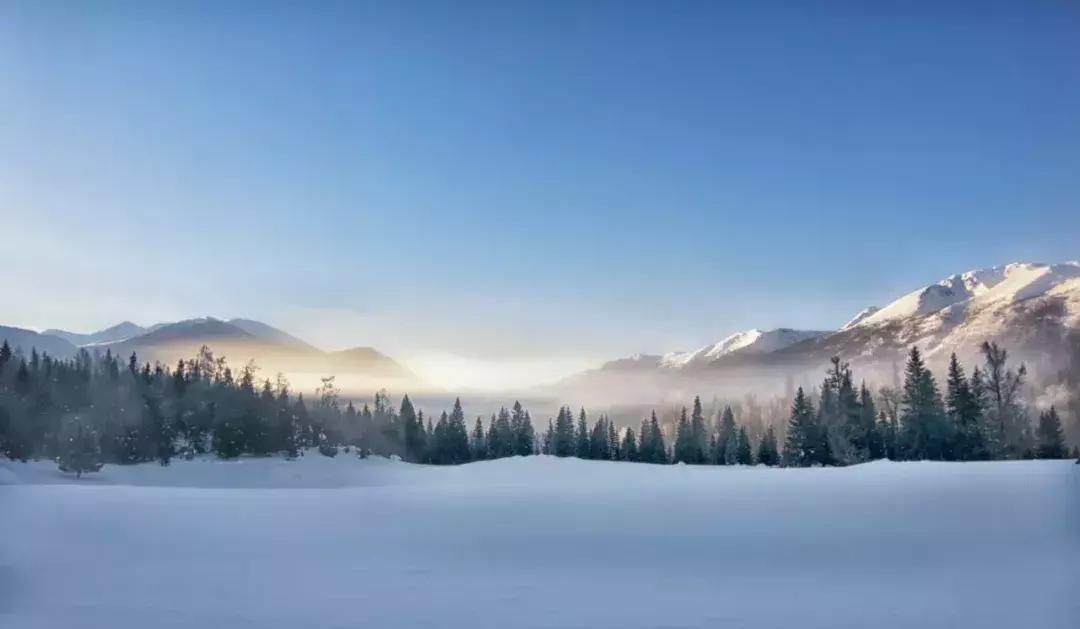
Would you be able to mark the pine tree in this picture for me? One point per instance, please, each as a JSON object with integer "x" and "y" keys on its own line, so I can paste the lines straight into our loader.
{"x": 522, "y": 429}
{"x": 840, "y": 413}
{"x": 981, "y": 433}
{"x": 501, "y": 435}
{"x": 724, "y": 448}
{"x": 478, "y": 443}
{"x": 441, "y": 453}
{"x": 768, "y": 453}
{"x": 871, "y": 441}
{"x": 158, "y": 433}
{"x": 5, "y": 355}
{"x": 653, "y": 449}
{"x": 562, "y": 442}
{"x": 684, "y": 441}
{"x": 287, "y": 436}
{"x": 599, "y": 441}
{"x": 925, "y": 428}
{"x": 80, "y": 452}
{"x": 429, "y": 437}
{"x": 305, "y": 433}
{"x": 22, "y": 378}
{"x": 457, "y": 436}
{"x": 581, "y": 437}
{"x": 1051, "y": 440}
{"x": 825, "y": 455}
{"x": 964, "y": 411}
{"x": 890, "y": 436}
{"x": 228, "y": 440}
{"x": 491, "y": 440}
{"x": 801, "y": 445}
{"x": 698, "y": 433}
{"x": 413, "y": 429}
{"x": 743, "y": 453}
{"x": 628, "y": 450}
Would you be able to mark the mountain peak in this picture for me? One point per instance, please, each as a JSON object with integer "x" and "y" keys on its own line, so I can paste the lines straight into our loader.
{"x": 753, "y": 341}
{"x": 862, "y": 316}
{"x": 119, "y": 332}
{"x": 1012, "y": 282}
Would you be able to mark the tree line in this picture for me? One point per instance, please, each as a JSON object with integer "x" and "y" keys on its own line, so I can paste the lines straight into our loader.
{"x": 97, "y": 409}
{"x": 981, "y": 417}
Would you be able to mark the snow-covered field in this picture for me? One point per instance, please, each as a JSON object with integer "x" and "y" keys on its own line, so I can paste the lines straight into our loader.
{"x": 539, "y": 542}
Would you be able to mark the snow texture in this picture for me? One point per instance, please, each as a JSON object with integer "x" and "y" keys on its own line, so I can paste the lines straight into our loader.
{"x": 1011, "y": 283}
{"x": 539, "y": 542}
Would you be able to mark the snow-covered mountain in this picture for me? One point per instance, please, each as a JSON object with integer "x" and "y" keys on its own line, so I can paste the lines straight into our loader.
{"x": 1004, "y": 284}
{"x": 863, "y": 315}
{"x": 118, "y": 332}
{"x": 748, "y": 342}
{"x": 1030, "y": 308}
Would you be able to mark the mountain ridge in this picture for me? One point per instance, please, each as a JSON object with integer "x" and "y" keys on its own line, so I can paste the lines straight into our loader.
{"x": 245, "y": 339}
{"x": 1029, "y": 307}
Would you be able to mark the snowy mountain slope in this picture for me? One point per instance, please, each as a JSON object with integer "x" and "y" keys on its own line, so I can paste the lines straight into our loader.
{"x": 1011, "y": 283}
{"x": 113, "y": 334}
{"x": 1029, "y": 308}
{"x": 748, "y": 342}
{"x": 862, "y": 316}
{"x": 1028, "y": 305}
{"x": 636, "y": 362}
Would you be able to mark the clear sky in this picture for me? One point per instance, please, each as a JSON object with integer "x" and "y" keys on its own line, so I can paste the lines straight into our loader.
{"x": 525, "y": 188}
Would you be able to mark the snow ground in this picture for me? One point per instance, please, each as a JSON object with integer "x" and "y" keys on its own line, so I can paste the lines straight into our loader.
{"x": 539, "y": 542}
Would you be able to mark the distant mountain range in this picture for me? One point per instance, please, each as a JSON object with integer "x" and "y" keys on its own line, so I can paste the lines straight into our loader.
{"x": 118, "y": 332}
{"x": 239, "y": 340}
{"x": 1027, "y": 307}
{"x": 1030, "y": 308}
{"x": 750, "y": 342}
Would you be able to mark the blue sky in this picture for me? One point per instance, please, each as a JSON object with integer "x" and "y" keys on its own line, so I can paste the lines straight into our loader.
{"x": 544, "y": 184}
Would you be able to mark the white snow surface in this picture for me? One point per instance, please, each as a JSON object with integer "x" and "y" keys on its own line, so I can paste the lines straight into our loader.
{"x": 859, "y": 318}
{"x": 539, "y": 542}
{"x": 1004, "y": 284}
{"x": 750, "y": 341}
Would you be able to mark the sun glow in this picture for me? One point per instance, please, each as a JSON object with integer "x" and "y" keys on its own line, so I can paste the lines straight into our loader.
{"x": 454, "y": 372}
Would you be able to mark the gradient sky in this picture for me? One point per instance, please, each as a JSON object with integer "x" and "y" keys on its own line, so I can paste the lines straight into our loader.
{"x": 523, "y": 188}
